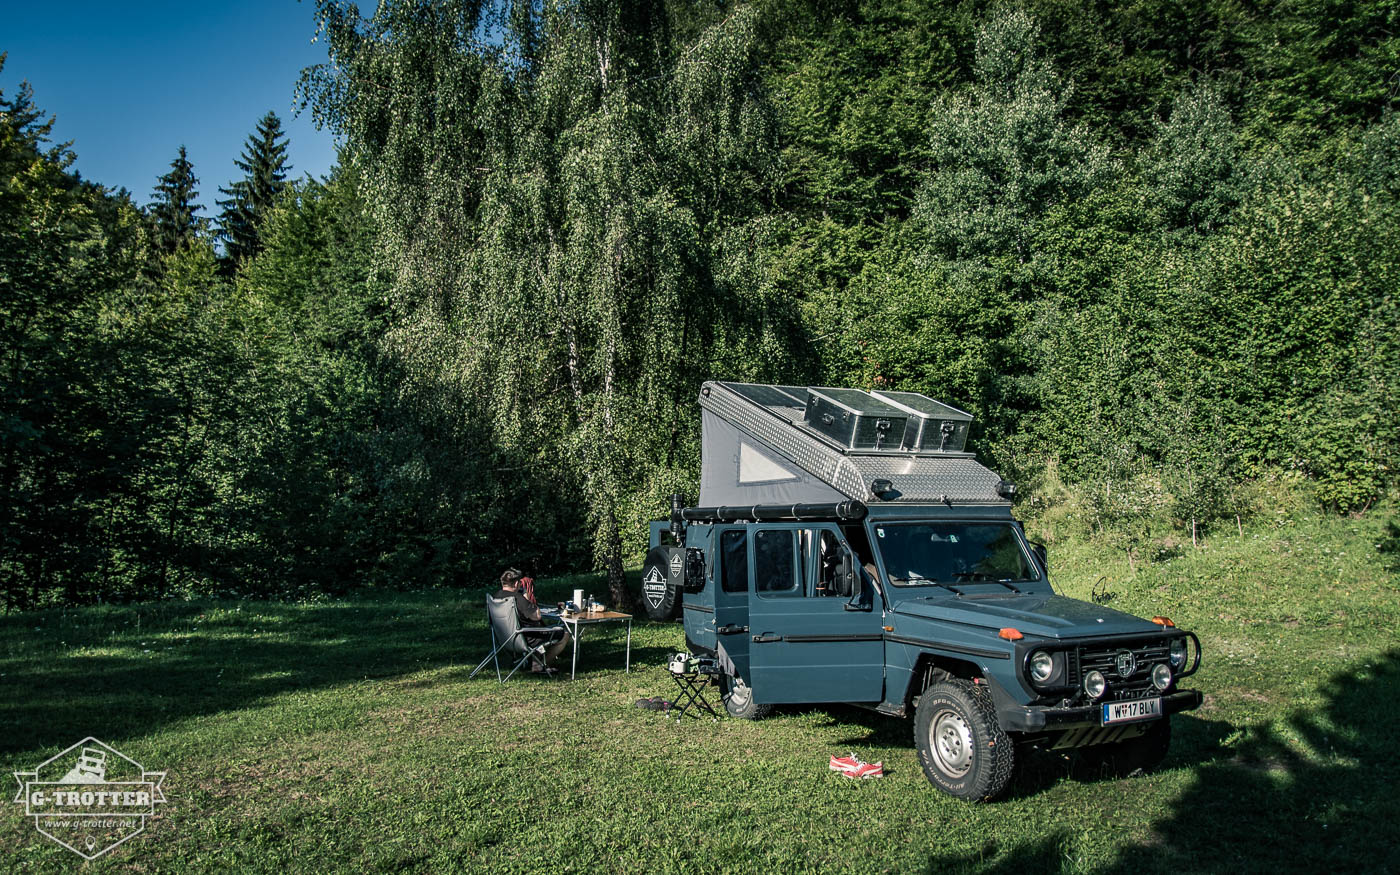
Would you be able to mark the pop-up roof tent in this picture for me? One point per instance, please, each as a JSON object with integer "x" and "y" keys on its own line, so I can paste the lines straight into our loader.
{"x": 782, "y": 445}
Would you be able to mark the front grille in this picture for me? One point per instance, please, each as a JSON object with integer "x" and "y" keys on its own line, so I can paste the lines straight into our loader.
{"x": 1146, "y": 654}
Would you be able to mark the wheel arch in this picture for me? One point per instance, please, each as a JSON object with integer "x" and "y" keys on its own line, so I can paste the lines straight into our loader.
{"x": 930, "y": 668}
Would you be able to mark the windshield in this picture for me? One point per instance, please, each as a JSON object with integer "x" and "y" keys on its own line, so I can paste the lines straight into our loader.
{"x": 952, "y": 553}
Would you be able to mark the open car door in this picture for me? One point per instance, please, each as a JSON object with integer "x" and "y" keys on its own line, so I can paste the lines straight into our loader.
{"x": 732, "y": 576}
{"x": 815, "y": 637}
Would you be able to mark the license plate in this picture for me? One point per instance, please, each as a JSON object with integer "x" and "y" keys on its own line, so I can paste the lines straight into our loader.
{"x": 1127, "y": 712}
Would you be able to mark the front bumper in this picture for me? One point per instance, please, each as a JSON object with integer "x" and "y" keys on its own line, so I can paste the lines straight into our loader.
{"x": 1040, "y": 718}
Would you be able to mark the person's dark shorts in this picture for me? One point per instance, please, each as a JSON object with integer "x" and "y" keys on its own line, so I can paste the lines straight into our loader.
{"x": 537, "y": 640}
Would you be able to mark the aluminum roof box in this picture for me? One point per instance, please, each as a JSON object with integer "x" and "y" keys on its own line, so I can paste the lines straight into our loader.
{"x": 932, "y": 425}
{"x": 760, "y": 448}
{"x": 854, "y": 419}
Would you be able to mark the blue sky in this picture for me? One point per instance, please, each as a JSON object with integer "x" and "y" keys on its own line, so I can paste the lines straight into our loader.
{"x": 130, "y": 82}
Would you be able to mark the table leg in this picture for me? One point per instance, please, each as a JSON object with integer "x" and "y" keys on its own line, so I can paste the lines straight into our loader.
{"x": 629, "y": 646}
{"x": 573, "y": 669}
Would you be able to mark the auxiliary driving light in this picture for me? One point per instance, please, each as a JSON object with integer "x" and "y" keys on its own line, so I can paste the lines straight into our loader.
{"x": 1094, "y": 684}
{"x": 1161, "y": 676}
{"x": 1042, "y": 666}
{"x": 1178, "y": 652}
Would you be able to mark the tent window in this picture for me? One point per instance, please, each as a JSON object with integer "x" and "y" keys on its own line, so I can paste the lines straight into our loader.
{"x": 755, "y": 467}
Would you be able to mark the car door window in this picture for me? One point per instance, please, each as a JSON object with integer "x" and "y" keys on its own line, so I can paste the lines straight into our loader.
{"x": 775, "y": 563}
{"x": 734, "y": 549}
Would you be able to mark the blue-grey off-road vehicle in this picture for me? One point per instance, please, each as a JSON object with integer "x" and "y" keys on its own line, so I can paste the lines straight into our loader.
{"x": 846, "y": 549}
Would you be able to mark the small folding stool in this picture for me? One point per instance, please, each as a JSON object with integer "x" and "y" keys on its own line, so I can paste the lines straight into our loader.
{"x": 693, "y": 677}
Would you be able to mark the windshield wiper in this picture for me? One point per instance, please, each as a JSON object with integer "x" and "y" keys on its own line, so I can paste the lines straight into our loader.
{"x": 947, "y": 586}
{"x": 980, "y": 577}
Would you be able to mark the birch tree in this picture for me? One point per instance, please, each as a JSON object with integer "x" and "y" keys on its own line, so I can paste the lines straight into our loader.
{"x": 568, "y": 200}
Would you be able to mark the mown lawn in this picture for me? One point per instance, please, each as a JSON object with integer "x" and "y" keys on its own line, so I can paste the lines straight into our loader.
{"x": 346, "y": 736}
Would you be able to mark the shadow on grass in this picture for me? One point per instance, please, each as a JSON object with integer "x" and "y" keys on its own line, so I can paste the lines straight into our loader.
{"x": 123, "y": 672}
{"x": 1315, "y": 791}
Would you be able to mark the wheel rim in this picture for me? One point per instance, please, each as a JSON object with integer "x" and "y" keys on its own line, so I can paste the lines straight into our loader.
{"x": 950, "y": 739}
{"x": 738, "y": 698}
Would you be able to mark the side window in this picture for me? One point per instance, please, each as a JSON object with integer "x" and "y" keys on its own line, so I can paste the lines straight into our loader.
{"x": 774, "y": 562}
{"x": 828, "y": 558}
{"x": 734, "y": 552}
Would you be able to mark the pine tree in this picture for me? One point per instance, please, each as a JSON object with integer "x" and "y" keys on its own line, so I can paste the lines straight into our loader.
{"x": 264, "y": 163}
{"x": 20, "y": 113}
{"x": 174, "y": 207}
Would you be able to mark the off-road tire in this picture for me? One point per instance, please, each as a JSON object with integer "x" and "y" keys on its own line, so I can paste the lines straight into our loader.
{"x": 1121, "y": 759}
{"x": 738, "y": 699}
{"x": 962, "y": 749}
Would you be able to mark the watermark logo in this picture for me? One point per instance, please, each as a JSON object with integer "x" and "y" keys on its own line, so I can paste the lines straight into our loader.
{"x": 90, "y": 798}
{"x": 654, "y": 586}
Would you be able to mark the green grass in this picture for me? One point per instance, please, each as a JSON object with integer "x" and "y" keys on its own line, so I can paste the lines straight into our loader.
{"x": 345, "y": 736}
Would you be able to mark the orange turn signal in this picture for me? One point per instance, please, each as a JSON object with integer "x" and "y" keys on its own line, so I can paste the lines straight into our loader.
{"x": 888, "y": 628}
{"x": 1010, "y": 634}
{"x": 1164, "y": 621}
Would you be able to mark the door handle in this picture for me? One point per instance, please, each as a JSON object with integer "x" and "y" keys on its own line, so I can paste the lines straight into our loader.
{"x": 730, "y": 629}
{"x": 766, "y": 639}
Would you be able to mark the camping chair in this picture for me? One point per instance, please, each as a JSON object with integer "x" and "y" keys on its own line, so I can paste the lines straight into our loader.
{"x": 507, "y": 634}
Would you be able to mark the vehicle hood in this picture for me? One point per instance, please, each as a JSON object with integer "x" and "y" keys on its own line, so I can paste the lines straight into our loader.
{"x": 1047, "y": 616}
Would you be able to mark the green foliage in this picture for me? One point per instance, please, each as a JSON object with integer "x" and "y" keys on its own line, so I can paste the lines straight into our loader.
{"x": 1151, "y": 246}
{"x": 62, "y": 251}
{"x": 571, "y": 290}
{"x": 1194, "y": 163}
{"x": 1002, "y": 156}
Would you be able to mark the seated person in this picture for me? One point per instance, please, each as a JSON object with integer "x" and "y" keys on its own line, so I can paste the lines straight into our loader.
{"x": 515, "y": 585}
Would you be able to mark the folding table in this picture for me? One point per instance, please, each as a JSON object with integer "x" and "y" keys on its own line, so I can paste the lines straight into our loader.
{"x": 579, "y": 621}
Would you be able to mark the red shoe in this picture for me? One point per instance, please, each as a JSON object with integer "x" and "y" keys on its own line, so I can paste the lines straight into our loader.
{"x": 866, "y": 770}
{"x": 845, "y": 763}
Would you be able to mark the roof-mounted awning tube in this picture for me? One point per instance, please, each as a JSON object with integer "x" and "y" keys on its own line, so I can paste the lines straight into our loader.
{"x": 778, "y": 513}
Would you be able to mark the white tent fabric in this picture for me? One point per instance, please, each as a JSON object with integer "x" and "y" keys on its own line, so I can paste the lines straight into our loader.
{"x": 739, "y": 470}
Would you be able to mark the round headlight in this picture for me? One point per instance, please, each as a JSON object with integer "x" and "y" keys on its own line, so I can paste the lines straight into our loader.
{"x": 1094, "y": 684}
{"x": 1178, "y": 652}
{"x": 1161, "y": 676}
{"x": 1042, "y": 666}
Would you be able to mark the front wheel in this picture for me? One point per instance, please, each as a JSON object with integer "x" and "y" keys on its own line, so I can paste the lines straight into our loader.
{"x": 738, "y": 699}
{"x": 962, "y": 749}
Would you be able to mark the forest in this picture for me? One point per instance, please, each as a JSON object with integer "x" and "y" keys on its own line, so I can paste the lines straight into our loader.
{"x": 1152, "y": 246}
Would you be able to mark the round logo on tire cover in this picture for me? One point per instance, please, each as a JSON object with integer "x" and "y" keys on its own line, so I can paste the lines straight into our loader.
{"x": 1126, "y": 663}
{"x": 654, "y": 586}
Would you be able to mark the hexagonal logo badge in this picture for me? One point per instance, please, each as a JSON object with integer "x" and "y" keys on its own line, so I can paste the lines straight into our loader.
{"x": 90, "y": 798}
{"x": 1127, "y": 663}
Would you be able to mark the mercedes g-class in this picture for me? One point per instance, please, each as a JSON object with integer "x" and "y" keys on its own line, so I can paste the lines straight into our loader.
{"x": 845, "y": 548}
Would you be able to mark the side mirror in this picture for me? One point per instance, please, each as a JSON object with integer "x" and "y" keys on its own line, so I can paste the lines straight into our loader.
{"x": 1039, "y": 550}
{"x": 847, "y": 581}
{"x": 694, "y": 570}
{"x": 848, "y": 578}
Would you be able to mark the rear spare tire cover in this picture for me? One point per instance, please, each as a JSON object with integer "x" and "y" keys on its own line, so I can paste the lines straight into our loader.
{"x": 662, "y": 575}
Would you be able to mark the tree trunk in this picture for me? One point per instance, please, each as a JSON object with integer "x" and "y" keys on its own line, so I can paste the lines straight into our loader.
{"x": 619, "y": 595}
